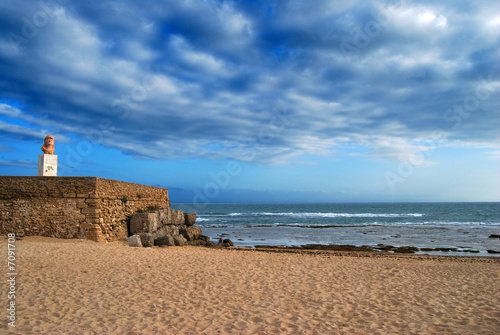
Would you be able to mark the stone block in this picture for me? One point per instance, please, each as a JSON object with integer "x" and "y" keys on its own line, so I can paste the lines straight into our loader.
{"x": 189, "y": 219}
{"x": 166, "y": 230}
{"x": 144, "y": 222}
{"x": 179, "y": 240}
{"x": 191, "y": 233}
{"x": 147, "y": 240}
{"x": 92, "y": 201}
{"x": 166, "y": 240}
{"x": 92, "y": 211}
{"x": 164, "y": 216}
{"x": 177, "y": 217}
{"x": 134, "y": 241}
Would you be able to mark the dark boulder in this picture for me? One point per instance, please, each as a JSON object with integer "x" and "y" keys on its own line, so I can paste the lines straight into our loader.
{"x": 227, "y": 243}
{"x": 191, "y": 233}
{"x": 189, "y": 219}
{"x": 147, "y": 240}
{"x": 180, "y": 240}
{"x": 166, "y": 240}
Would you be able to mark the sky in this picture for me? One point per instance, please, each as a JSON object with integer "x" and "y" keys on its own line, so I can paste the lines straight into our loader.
{"x": 258, "y": 101}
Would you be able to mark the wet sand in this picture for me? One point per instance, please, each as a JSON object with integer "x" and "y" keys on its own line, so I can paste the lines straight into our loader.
{"x": 83, "y": 287}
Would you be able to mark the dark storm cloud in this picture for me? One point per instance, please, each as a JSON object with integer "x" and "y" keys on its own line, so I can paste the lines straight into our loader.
{"x": 210, "y": 79}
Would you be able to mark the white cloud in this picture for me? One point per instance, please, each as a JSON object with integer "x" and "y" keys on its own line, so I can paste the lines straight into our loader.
{"x": 9, "y": 111}
{"x": 224, "y": 66}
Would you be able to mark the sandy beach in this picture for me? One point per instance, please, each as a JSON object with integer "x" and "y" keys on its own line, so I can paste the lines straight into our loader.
{"x": 84, "y": 287}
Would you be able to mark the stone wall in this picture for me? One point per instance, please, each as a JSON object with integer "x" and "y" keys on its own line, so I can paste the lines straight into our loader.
{"x": 73, "y": 207}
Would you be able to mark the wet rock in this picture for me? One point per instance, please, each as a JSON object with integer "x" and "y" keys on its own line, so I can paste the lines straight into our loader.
{"x": 446, "y": 249}
{"x": 227, "y": 243}
{"x": 384, "y": 247}
{"x": 493, "y": 251}
{"x": 336, "y": 247}
{"x": 197, "y": 243}
{"x": 494, "y": 236}
{"x": 406, "y": 250}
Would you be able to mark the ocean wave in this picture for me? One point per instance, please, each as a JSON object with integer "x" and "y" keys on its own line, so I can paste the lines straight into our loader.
{"x": 344, "y": 225}
{"x": 330, "y": 215}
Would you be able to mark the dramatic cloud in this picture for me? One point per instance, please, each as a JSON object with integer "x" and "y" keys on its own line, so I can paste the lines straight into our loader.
{"x": 257, "y": 81}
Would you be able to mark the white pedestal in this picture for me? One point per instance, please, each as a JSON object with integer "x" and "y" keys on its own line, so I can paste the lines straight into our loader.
{"x": 47, "y": 165}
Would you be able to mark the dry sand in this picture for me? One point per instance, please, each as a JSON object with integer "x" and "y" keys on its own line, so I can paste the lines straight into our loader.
{"x": 83, "y": 287}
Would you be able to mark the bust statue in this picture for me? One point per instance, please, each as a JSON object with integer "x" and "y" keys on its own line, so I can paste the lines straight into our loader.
{"x": 48, "y": 145}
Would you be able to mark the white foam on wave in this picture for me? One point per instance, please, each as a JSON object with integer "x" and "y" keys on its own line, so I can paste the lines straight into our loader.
{"x": 211, "y": 223}
{"x": 344, "y": 215}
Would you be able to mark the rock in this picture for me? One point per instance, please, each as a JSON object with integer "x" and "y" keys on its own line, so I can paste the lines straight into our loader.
{"x": 177, "y": 217}
{"x": 494, "y": 236}
{"x": 197, "y": 243}
{"x": 144, "y": 222}
{"x": 180, "y": 240}
{"x": 406, "y": 250}
{"x": 164, "y": 216}
{"x": 335, "y": 247}
{"x": 165, "y": 227}
{"x": 227, "y": 243}
{"x": 166, "y": 230}
{"x": 189, "y": 218}
{"x": 147, "y": 240}
{"x": 384, "y": 247}
{"x": 191, "y": 233}
{"x": 166, "y": 240}
{"x": 134, "y": 241}
{"x": 493, "y": 251}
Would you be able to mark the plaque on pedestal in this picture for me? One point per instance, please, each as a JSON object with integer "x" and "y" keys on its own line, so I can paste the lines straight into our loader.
{"x": 47, "y": 165}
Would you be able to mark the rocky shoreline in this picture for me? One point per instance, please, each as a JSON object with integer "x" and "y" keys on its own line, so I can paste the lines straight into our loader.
{"x": 378, "y": 248}
{"x": 168, "y": 227}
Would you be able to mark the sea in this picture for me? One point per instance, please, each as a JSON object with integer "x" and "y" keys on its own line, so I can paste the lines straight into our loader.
{"x": 466, "y": 227}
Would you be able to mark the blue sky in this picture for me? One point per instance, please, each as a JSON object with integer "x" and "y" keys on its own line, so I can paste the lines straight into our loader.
{"x": 258, "y": 101}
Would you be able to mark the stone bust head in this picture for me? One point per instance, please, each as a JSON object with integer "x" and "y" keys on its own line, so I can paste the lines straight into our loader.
{"x": 48, "y": 145}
